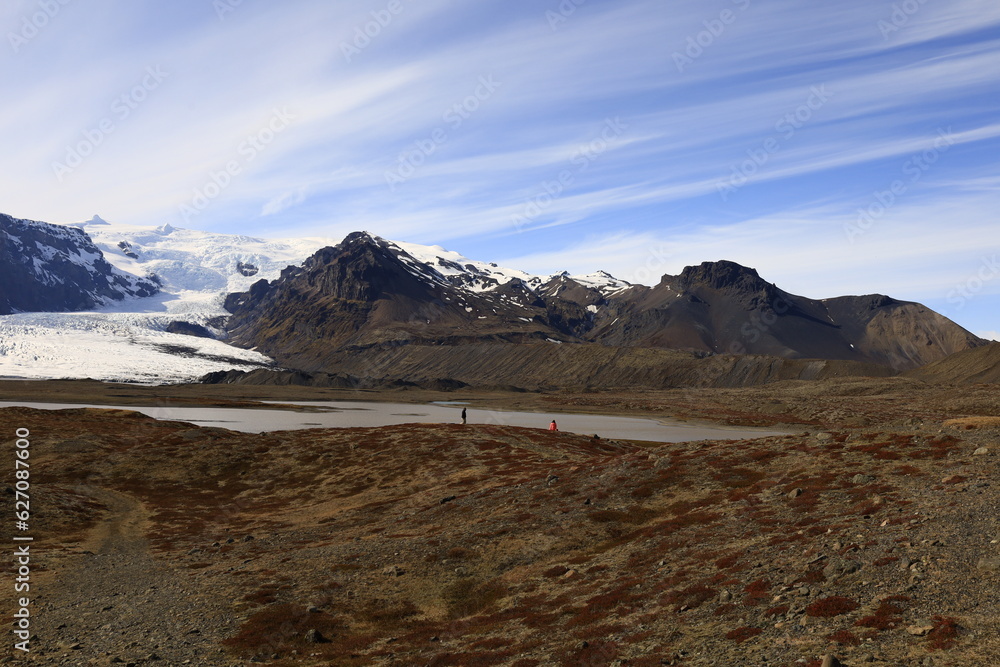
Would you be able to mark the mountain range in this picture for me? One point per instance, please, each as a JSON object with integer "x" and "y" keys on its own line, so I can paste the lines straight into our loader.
{"x": 371, "y": 308}
{"x": 366, "y": 296}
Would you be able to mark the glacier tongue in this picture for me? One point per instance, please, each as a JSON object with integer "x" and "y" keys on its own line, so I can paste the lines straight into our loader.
{"x": 125, "y": 347}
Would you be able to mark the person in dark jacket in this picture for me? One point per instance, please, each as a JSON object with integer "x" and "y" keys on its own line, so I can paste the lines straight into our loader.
{"x": 463, "y": 415}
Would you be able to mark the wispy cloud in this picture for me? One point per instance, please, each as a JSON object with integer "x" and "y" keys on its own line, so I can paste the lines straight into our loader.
{"x": 363, "y": 107}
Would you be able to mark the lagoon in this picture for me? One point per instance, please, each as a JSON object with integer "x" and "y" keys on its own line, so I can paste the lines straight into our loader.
{"x": 343, "y": 414}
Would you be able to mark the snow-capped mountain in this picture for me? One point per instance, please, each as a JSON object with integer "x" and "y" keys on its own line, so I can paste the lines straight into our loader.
{"x": 46, "y": 267}
{"x": 196, "y": 269}
{"x": 476, "y": 276}
{"x": 369, "y": 308}
{"x": 145, "y": 336}
{"x": 177, "y": 280}
{"x": 166, "y": 304}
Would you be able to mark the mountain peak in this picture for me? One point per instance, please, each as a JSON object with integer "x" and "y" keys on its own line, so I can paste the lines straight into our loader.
{"x": 721, "y": 275}
{"x": 362, "y": 237}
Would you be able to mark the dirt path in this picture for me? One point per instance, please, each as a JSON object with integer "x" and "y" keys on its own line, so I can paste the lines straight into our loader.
{"x": 117, "y": 604}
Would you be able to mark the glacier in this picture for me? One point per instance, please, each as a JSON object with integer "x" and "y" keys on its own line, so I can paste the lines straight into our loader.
{"x": 128, "y": 341}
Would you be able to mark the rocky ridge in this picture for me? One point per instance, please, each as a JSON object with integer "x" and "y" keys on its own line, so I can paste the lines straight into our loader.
{"x": 367, "y": 298}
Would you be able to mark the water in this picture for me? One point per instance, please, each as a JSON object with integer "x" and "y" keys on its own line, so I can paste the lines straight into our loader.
{"x": 341, "y": 414}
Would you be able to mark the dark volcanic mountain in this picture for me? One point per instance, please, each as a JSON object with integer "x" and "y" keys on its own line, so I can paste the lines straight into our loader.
{"x": 722, "y": 307}
{"x": 366, "y": 307}
{"x": 53, "y": 268}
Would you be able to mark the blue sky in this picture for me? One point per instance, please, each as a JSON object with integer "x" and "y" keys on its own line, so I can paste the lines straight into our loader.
{"x": 838, "y": 148}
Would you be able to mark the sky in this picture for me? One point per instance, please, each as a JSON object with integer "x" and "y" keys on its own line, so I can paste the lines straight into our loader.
{"x": 838, "y": 148}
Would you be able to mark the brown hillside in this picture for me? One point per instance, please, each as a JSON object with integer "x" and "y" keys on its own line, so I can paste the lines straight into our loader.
{"x": 580, "y": 365}
{"x": 981, "y": 364}
{"x": 491, "y": 545}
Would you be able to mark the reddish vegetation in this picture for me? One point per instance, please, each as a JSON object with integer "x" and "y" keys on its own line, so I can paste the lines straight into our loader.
{"x": 671, "y": 546}
{"x": 944, "y": 635}
{"x": 691, "y": 597}
{"x": 780, "y": 610}
{"x": 756, "y": 592}
{"x": 740, "y": 635}
{"x": 879, "y": 562}
{"x": 887, "y": 616}
{"x": 834, "y": 605}
{"x": 845, "y": 638}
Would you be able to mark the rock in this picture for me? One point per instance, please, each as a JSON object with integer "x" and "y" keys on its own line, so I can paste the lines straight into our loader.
{"x": 313, "y": 609}
{"x": 830, "y": 661}
{"x": 551, "y": 479}
{"x": 725, "y": 596}
{"x": 314, "y": 636}
{"x": 982, "y": 451}
{"x": 393, "y": 571}
{"x": 920, "y": 629}
{"x": 248, "y": 538}
{"x": 447, "y": 499}
{"x": 823, "y": 437}
{"x": 794, "y": 493}
{"x": 862, "y": 479}
{"x": 989, "y": 564}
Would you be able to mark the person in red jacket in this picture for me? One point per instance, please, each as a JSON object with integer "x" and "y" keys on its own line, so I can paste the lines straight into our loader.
{"x": 552, "y": 426}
